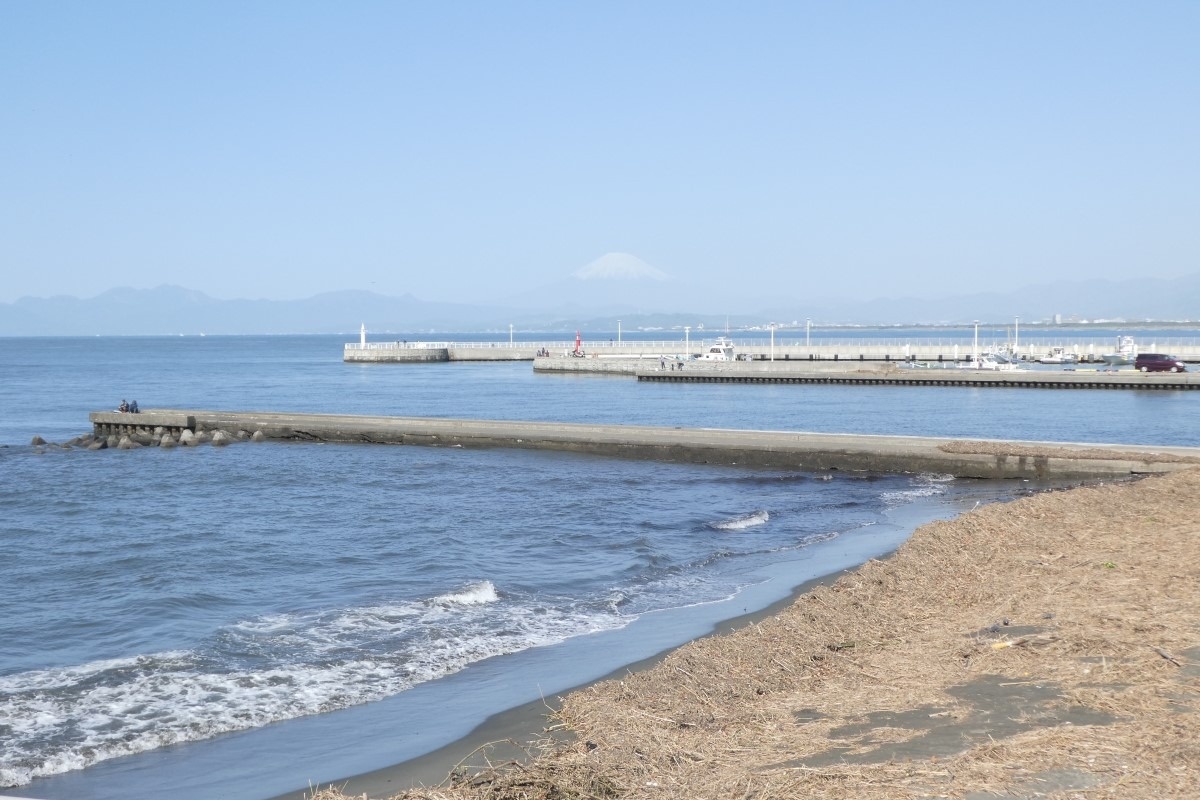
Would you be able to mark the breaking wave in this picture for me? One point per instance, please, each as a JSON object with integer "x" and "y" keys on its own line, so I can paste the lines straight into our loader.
{"x": 265, "y": 670}
{"x": 741, "y": 523}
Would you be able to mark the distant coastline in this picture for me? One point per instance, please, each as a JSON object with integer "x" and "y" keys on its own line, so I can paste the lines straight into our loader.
{"x": 605, "y": 305}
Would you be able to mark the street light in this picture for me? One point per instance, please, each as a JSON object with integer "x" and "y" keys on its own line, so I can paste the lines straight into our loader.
{"x": 510, "y": 342}
{"x": 975, "y": 351}
{"x": 772, "y": 326}
{"x": 687, "y": 332}
{"x": 808, "y": 333}
{"x": 1016, "y": 335}
{"x": 618, "y": 331}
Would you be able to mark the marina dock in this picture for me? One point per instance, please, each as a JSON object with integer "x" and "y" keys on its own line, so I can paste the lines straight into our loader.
{"x": 778, "y": 449}
{"x": 868, "y": 373}
{"x": 907, "y": 376}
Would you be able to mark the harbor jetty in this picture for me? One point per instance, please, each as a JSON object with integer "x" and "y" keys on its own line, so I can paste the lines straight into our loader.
{"x": 778, "y": 449}
{"x": 944, "y": 351}
{"x": 866, "y": 373}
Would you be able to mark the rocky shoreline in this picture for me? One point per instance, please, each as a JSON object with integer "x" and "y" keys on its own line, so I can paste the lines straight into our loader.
{"x": 158, "y": 436}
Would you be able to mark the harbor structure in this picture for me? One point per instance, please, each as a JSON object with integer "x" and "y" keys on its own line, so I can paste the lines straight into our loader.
{"x": 1042, "y": 461}
{"x": 774, "y": 348}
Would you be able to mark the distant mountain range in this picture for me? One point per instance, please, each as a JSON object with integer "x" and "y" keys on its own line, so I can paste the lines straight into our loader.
{"x": 594, "y": 298}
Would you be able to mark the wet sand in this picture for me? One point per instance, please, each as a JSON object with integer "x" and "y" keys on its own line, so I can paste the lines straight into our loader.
{"x": 1045, "y": 647}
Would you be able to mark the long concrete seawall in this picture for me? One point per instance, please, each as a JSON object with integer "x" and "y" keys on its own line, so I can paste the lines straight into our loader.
{"x": 856, "y": 350}
{"x": 865, "y": 373}
{"x": 885, "y": 375}
{"x": 782, "y": 449}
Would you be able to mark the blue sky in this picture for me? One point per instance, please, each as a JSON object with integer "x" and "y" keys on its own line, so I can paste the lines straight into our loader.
{"x": 464, "y": 151}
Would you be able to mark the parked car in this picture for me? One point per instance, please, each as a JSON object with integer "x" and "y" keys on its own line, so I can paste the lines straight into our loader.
{"x": 1158, "y": 362}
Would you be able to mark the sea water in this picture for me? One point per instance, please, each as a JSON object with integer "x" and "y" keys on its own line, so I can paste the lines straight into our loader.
{"x": 238, "y": 622}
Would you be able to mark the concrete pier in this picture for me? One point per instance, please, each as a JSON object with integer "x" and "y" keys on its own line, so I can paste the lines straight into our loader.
{"x": 779, "y": 449}
{"x": 117, "y": 423}
{"x": 866, "y": 373}
{"x": 940, "y": 351}
{"x": 893, "y": 375}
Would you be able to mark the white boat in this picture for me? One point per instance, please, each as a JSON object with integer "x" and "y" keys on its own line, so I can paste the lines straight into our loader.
{"x": 992, "y": 362}
{"x": 1125, "y": 354}
{"x": 720, "y": 350}
{"x": 1059, "y": 355}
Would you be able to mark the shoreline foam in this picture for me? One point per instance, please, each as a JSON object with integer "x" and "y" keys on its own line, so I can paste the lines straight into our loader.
{"x": 1045, "y": 645}
{"x": 504, "y": 736}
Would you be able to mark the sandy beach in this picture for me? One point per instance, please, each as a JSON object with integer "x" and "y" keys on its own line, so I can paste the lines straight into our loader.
{"x": 1044, "y": 647}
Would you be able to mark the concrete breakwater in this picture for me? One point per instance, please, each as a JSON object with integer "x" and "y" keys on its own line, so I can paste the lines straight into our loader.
{"x": 779, "y": 449}
{"x": 670, "y": 366}
{"x": 124, "y": 431}
{"x": 863, "y": 373}
{"x": 900, "y": 376}
{"x": 939, "y": 352}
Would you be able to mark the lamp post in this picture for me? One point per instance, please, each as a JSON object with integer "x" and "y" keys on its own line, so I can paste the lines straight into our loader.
{"x": 808, "y": 333}
{"x": 772, "y": 326}
{"x": 1016, "y": 335}
{"x": 687, "y": 347}
{"x": 975, "y": 351}
{"x": 510, "y": 341}
{"x": 618, "y": 331}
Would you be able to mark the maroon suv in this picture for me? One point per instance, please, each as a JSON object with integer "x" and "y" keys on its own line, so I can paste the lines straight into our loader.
{"x": 1158, "y": 362}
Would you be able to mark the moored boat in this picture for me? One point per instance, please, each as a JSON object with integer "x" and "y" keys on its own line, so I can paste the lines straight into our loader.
{"x": 1125, "y": 353}
{"x": 720, "y": 350}
{"x": 1059, "y": 355}
{"x": 992, "y": 361}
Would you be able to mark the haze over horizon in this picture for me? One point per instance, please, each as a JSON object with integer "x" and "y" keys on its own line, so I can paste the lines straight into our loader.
{"x": 471, "y": 153}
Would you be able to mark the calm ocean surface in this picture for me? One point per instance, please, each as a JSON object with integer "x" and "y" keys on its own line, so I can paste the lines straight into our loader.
{"x": 239, "y": 622}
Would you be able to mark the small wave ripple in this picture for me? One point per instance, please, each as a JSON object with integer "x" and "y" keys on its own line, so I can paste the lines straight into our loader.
{"x": 923, "y": 485}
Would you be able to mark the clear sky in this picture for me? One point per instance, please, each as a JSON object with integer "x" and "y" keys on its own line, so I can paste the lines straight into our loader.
{"x": 465, "y": 150}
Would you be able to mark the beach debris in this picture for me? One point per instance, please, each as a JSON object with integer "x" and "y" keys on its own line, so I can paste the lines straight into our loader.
{"x": 1167, "y": 656}
{"x": 1025, "y": 641}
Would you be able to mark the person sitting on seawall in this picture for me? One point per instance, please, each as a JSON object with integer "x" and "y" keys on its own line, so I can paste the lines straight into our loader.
{"x": 133, "y": 409}
{"x": 124, "y": 407}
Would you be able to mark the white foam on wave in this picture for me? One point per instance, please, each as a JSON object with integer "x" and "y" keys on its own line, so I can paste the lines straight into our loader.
{"x": 741, "y": 523}
{"x": 923, "y": 485}
{"x": 473, "y": 595}
{"x": 56, "y": 677}
{"x": 265, "y": 670}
